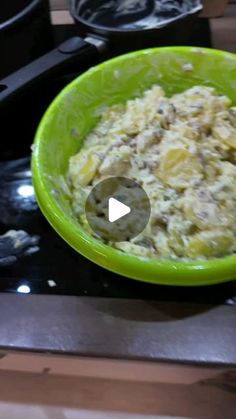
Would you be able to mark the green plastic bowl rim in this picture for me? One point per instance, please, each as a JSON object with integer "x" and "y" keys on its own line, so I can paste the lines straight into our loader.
{"x": 166, "y": 272}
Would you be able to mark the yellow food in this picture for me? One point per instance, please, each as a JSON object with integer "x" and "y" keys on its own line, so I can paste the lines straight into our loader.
{"x": 178, "y": 166}
{"x": 210, "y": 243}
{"x": 83, "y": 167}
{"x": 182, "y": 150}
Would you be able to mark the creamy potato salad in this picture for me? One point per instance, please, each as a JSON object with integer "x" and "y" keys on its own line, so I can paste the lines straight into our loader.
{"x": 182, "y": 151}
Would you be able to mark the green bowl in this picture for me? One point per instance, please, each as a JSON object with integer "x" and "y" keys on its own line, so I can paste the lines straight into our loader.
{"x": 74, "y": 113}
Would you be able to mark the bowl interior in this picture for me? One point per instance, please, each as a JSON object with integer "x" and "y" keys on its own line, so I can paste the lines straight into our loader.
{"x": 74, "y": 113}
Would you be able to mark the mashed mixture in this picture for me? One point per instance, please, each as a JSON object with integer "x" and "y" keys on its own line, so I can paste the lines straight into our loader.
{"x": 182, "y": 151}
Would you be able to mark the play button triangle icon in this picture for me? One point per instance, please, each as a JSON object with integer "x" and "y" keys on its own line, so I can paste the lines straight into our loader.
{"x": 117, "y": 210}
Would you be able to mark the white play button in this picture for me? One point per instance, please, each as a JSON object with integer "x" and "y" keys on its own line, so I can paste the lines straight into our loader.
{"x": 116, "y": 210}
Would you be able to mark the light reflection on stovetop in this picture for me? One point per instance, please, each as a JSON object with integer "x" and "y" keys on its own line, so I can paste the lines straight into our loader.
{"x": 58, "y": 269}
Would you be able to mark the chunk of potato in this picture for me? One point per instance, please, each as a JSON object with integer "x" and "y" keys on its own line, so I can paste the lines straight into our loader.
{"x": 116, "y": 161}
{"x": 160, "y": 240}
{"x": 203, "y": 211}
{"x": 225, "y": 133}
{"x": 83, "y": 167}
{"x": 178, "y": 230}
{"x": 176, "y": 243}
{"x": 178, "y": 167}
{"x": 210, "y": 243}
{"x": 135, "y": 249}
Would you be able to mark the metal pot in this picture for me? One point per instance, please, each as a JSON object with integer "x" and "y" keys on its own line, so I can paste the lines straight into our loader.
{"x": 25, "y": 33}
{"x": 98, "y": 38}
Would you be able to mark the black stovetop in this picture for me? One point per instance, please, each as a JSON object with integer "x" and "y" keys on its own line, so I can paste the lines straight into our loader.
{"x": 55, "y": 268}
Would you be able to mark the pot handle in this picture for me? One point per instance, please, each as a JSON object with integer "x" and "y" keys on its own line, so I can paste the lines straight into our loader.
{"x": 73, "y": 51}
